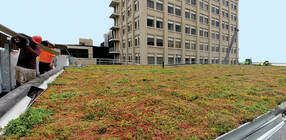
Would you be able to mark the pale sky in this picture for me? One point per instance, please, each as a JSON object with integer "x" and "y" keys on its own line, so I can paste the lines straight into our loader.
{"x": 262, "y": 23}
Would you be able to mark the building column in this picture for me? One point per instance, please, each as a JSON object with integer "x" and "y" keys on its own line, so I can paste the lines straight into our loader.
{"x": 198, "y": 33}
{"x": 143, "y": 31}
{"x": 210, "y": 38}
{"x": 165, "y": 26}
{"x": 183, "y": 54}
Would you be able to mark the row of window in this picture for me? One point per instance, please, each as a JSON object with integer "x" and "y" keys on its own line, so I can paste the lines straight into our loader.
{"x": 173, "y": 9}
{"x": 159, "y": 4}
{"x": 177, "y": 43}
{"x": 158, "y": 59}
{"x": 226, "y": 3}
{"x": 174, "y": 26}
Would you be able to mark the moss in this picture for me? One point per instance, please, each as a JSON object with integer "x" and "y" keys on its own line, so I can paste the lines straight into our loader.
{"x": 23, "y": 125}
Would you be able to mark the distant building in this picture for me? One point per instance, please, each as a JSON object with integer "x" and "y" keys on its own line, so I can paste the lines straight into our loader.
{"x": 106, "y": 40}
{"x": 85, "y": 42}
{"x": 85, "y": 50}
{"x": 174, "y": 31}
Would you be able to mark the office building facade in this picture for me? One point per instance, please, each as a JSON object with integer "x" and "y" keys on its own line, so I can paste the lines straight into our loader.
{"x": 174, "y": 31}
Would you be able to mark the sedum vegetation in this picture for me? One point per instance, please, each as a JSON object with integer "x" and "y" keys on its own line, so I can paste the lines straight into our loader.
{"x": 148, "y": 102}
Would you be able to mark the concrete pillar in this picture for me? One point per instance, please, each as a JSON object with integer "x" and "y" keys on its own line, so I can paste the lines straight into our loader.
{"x": 165, "y": 26}
{"x": 198, "y": 31}
{"x": 143, "y": 31}
{"x": 6, "y": 70}
{"x": 210, "y": 38}
{"x": 183, "y": 32}
{"x": 220, "y": 33}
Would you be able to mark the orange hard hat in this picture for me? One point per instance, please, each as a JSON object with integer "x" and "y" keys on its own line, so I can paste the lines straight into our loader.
{"x": 37, "y": 39}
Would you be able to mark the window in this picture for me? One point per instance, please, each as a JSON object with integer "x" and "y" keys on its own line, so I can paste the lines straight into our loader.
{"x": 206, "y": 6}
{"x": 159, "y": 59}
{"x": 213, "y": 36}
{"x": 213, "y": 49}
{"x": 206, "y": 33}
{"x": 193, "y": 31}
{"x": 187, "y": 29}
{"x": 217, "y": 48}
{"x": 151, "y": 59}
{"x": 201, "y": 60}
{"x": 178, "y": 43}
{"x": 170, "y": 9}
{"x": 137, "y": 59}
{"x": 159, "y": 41}
{"x": 187, "y": 44}
{"x": 194, "y": 45}
{"x": 206, "y": 47}
{"x": 188, "y": 1}
{"x": 217, "y": 11}
{"x": 178, "y": 27}
{"x": 136, "y": 23}
{"x": 171, "y": 43}
{"x": 213, "y": 9}
{"x": 150, "y": 3}
{"x": 222, "y": 25}
{"x": 160, "y": 23}
{"x": 129, "y": 43}
{"x": 136, "y": 6}
{"x": 150, "y": 21}
{"x": 129, "y": 11}
{"x": 159, "y": 5}
{"x": 201, "y": 46}
{"x": 193, "y": 2}
{"x": 178, "y": 59}
{"x": 201, "y": 18}
{"x": 201, "y": 5}
{"x": 206, "y": 20}
{"x": 193, "y": 16}
{"x": 217, "y": 36}
{"x": 187, "y": 60}
{"x": 217, "y": 23}
{"x": 170, "y": 26}
{"x": 136, "y": 42}
{"x": 213, "y": 22}
{"x": 178, "y": 11}
{"x": 187, "y": 14}
{"x": 150, "y": 41}
{"x": 171, "y": 60}
{"x": 201, "y": 32}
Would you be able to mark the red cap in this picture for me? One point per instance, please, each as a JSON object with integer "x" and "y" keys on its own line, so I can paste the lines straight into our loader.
{"x": 37, "y": 39}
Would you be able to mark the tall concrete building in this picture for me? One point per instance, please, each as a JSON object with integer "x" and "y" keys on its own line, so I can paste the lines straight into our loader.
{"x": 174, "y": 31}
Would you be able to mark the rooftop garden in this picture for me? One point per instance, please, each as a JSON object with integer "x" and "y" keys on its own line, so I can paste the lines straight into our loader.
{"x": 148, "y": 102}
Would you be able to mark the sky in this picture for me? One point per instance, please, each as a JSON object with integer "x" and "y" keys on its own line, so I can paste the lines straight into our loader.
{"x": 262, "y": 23}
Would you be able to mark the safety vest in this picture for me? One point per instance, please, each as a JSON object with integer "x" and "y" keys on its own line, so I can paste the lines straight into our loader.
{"x": 46, "y": 57}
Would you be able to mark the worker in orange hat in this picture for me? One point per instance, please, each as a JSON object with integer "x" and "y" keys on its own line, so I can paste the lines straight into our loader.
{"x": 46, "y": 58}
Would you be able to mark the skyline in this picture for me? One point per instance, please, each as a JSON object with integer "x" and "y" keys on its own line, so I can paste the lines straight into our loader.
{"x": 259, "y": 38}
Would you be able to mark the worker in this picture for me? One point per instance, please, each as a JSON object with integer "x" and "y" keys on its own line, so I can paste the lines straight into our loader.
{"x": 46, "y": 58}
{"x": 29, "y": 51}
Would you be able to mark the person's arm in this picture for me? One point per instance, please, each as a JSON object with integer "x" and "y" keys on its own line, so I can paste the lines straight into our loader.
{"x": 33, "y": 52}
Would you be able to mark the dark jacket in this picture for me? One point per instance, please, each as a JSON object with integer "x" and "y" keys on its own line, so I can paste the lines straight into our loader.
{"x": 28, "y": 52}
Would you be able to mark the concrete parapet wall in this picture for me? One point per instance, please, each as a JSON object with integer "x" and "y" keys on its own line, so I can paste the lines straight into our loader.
{"x": 88, "y": 61}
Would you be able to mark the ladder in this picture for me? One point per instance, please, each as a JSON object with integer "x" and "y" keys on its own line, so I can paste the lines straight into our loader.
{"x": 226, "y": 59}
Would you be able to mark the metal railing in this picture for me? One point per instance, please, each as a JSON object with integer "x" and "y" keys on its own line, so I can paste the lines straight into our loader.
{"x": 104, "y": 61}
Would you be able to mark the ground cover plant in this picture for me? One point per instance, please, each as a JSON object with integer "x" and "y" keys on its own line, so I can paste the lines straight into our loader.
{"x": 148, "y": 102}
